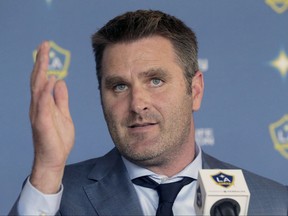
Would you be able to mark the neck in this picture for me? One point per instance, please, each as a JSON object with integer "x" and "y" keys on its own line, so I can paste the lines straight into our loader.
{"x": 173, "y": 164}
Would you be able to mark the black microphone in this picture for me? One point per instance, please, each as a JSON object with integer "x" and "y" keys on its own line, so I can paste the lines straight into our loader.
{"x": 225, "y": 207}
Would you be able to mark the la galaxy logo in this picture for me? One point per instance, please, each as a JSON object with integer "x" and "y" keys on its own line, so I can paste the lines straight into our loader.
{"x": 223, "y": 179}
{"x": 59, "y": 60}
{"x": 279, "y": 6}
{"x": 279, "y": 135}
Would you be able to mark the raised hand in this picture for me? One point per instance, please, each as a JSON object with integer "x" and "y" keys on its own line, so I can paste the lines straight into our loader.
{"x": 52, "y": 126}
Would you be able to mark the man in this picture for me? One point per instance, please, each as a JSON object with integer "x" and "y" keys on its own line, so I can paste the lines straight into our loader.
{"x": 150, "y": 85}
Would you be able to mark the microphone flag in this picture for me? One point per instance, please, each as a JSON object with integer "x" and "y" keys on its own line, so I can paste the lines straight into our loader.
{"x": 218, "y": 186}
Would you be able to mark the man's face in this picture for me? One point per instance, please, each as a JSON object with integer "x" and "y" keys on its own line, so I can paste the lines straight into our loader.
{"x": 145, "y": 101}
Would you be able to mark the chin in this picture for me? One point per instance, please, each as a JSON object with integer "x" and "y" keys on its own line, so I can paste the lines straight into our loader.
{"x": 144, "y": 158}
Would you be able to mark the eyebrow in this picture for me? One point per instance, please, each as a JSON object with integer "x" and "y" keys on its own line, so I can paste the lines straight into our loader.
{"x": 111, "y": 81}
{"x": 154, "y": 72}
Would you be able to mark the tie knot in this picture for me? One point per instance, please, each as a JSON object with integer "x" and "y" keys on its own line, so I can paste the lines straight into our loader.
{"x": 167, "y": 192}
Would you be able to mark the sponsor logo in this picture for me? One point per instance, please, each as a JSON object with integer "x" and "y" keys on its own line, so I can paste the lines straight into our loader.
{"x": 279, "y": 6}
{"x": 59, "y": 61}
{"x": 203, "y": 64}
{"x": 48, "y": 2}
{"x": 204, "y": 136}
{"x": 279, "y": 135}
{"x": 281, "y": 63}
{"x": 223, "y": 179}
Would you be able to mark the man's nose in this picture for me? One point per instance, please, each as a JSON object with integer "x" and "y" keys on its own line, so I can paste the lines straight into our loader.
{"x": 139, "y": 100}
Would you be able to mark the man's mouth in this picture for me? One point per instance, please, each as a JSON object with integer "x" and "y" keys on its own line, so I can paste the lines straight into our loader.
{"x": 139, "y": 125}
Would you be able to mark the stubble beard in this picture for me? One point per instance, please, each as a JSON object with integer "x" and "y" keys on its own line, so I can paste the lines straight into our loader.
{"x": 161, "y": 150}
{"x": 129, "y": 144}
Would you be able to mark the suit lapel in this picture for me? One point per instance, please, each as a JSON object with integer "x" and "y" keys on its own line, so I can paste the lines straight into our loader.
{"x": 112, "y": 193}
{"x": 209, "y": 162}
{"x": 206, "y": 163}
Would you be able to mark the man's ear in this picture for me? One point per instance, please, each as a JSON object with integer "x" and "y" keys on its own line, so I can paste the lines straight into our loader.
{"x": 197, "y": 90}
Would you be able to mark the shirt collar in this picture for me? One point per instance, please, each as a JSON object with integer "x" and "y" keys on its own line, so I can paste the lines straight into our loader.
{"x": 191, "y": 170}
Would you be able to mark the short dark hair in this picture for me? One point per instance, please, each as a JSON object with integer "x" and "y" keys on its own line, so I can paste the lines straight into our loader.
{"x": 139, "y": 24}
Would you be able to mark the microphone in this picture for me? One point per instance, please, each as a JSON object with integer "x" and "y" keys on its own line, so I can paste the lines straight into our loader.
{"x": 221, "y": 192}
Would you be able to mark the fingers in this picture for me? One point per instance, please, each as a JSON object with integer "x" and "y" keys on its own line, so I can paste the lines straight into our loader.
{"x": 36, "y": 65}
{"x": 39, "y": 73}
{"x": 46, "y": 92}
{"x": 38, "y": 79}
{"x": 61, "y": 97}
{"x": 43, "y": 107}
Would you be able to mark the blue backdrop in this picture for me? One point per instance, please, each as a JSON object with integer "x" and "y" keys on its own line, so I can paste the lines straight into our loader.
{"x": 243, "y": 54}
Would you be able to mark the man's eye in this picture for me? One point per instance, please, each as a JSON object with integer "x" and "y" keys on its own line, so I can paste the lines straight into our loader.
{"x": 156, "y": 82}
{"x": 120, "y": 87}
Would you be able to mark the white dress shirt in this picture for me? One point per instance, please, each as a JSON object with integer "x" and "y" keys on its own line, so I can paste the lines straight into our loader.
{"x": 33, "y": 202}
{"x": 184, "y": 203}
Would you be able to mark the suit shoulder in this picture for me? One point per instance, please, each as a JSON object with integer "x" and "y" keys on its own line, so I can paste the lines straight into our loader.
{"x": 215, "y": 163}
{"x": 258, "y": 185}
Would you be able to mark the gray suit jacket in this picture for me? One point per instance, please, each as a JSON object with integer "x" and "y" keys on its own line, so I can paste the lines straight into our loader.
{"x": 101, "y": 186}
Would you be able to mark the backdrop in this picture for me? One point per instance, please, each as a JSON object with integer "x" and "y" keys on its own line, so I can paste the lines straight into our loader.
{"x": 243, "y": 54}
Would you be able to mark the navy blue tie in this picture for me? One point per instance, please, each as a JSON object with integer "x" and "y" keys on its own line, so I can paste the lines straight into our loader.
{"x": 167, "y": 192}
